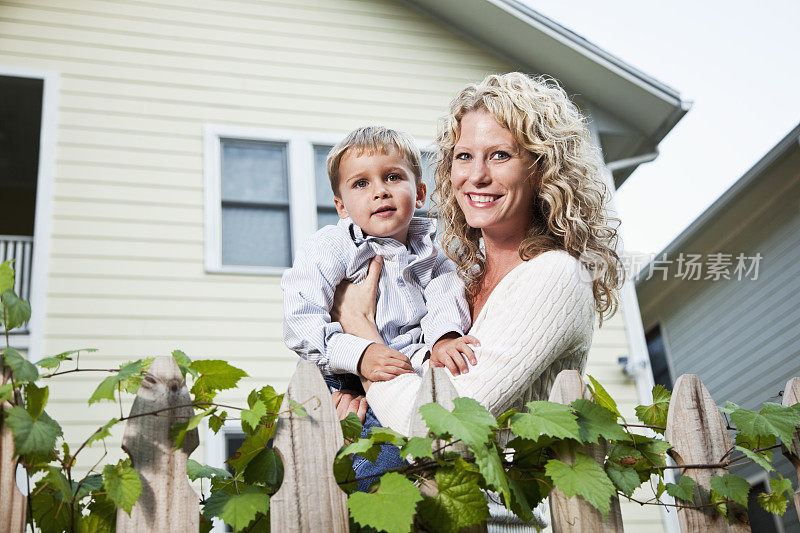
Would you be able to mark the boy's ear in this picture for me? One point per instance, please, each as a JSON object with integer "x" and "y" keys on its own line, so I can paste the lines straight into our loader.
{"x": 340, "y": 208}
{"x": 421, "y": 192}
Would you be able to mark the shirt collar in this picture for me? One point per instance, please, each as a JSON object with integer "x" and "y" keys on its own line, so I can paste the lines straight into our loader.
{"x": 421, "y": 234}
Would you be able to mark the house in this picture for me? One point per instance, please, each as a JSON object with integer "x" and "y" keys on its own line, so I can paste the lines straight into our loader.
{"x": 721, "y": 300}
{"x": 147, "y": 227}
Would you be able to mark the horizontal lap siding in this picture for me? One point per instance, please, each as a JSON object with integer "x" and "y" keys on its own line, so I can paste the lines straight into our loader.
{"x": 743, "y": 337}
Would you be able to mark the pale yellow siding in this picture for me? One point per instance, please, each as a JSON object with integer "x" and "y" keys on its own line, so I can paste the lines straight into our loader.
{"x": 138, "y": 81}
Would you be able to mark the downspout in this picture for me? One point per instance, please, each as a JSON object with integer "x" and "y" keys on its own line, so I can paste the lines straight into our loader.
{"x": 639, "y": 360}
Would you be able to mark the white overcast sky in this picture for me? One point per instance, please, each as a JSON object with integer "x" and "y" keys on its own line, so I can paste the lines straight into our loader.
{"x": 738, "y": 61}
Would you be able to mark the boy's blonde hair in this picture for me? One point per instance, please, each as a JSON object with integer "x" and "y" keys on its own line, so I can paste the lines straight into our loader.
{"x": 372, "y": 140}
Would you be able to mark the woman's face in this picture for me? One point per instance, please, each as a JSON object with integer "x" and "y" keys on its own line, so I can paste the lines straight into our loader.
{"x": 492, "y": 176}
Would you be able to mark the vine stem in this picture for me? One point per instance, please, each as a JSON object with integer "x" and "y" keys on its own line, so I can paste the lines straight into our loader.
{"x": 111, "y": 370}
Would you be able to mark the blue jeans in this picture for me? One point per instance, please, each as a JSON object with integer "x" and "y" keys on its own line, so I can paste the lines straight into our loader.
{"x": 389, "y": 456}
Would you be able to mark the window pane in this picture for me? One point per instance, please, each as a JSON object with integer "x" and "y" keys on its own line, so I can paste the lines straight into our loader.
{"x": 324, "y": 192}
{"x": 327, "y": 217}
{"x": 255, "y": 236}
{"x": 254, "y": 171}
{"x": 428, "y": 166}
{"x": 658, "y": 357}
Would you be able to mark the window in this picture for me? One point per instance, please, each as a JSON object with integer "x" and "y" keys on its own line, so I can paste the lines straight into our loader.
{"x": 265, "y": 192}
{"x": 658, "y": 357}
{"x": 255, "y": 204}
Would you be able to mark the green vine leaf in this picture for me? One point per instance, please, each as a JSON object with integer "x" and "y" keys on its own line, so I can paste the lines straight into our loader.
{"x": 215, "y": 422}
{"x": 458, "y": 504}
{"x": 351, "y": 426}
{"x": 586, "y": 478}
{"x": 469, "y": 421}
{"x": 418, "y": 448}
{"x": 53, "y": 362}
{"x": 237, "y": 510}
{"x": 595, "y": 421}
{"x": 776, "y": 501}
{"x": 490, "y": 466}
{"x": 625, "y": 478}
{"x": 601, "y": 396}
{"x": 184, "y": 363}
{"x": 382, "y": 434}
{"x": 122, "y": 484}
{"x": 297, "y": 409}
{"x": 6, "y": 276}
{"x": 365, "y": 447}
{"x": 546, "y": 418}
{"x": 6, "y": 392}
{"x": 772, "y": 419}
{"x": 265, "y": 467}
{"x": 214, "y": 376}
{"x": 108, "y": 387}
{"x": 732, "y": 487}
{"x": 24, "y": 371}
{"x": 252, "y": 446}
{"x": 14, "y": 311}
{"x": 655, "y": 414}
{"x": 32, "y": 435}
{"x": 252, "y": 417}
{"x": 757, "y": 458}
{"x": 103, "y": 432}
{"x": 197, "y": 471}
{"x": 391, "y": 508}
{"x": 36, "y": 399}
{"x": 178, "y": 431}
{"x": 683, "y": 490}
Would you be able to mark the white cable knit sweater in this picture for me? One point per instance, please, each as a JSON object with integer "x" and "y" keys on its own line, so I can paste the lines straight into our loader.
{"x": 537, "y": 322}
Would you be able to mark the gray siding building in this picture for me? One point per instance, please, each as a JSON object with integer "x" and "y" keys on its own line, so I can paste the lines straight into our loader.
{"x": 734, "y": 317}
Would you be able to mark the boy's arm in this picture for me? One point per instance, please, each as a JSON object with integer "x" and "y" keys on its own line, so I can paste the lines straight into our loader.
{"x": 448, "y": 310}
{"x": 308, "y": 289}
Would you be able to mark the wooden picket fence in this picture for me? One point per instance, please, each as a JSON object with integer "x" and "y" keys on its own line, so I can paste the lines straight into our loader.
{"x": 309, "y": 499}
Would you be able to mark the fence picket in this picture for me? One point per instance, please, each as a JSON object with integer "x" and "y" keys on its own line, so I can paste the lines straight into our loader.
{"x": 791, "y": 396}
{"x": 576, "y": 514}
{"x": 167, "y": 503}
{"x": 12, "y": 502}
{"x": 698, "y": 435}
{"x": 309, "y": 498}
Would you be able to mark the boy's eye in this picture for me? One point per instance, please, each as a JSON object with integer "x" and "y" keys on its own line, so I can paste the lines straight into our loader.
{"x": 360, "y": 184}
{"x": 394, "y": 177}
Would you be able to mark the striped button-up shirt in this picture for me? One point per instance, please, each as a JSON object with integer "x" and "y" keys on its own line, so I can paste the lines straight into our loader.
{"x": 420, "y": 297}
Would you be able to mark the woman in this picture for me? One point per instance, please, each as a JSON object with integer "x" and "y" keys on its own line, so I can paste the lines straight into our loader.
{"x": 520, "y": 192}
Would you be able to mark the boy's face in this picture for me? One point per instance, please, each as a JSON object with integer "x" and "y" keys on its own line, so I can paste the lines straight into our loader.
{"x": 379, "y": 192}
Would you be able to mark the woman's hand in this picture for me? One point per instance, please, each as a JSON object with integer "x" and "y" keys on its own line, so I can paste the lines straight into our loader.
{"x": 346, "y": 401}
{"x": 354, "y": 305}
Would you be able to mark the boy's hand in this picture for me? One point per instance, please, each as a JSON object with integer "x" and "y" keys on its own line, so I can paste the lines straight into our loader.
{"x": 381, "y": 363}
{"x": 453, "y": 353}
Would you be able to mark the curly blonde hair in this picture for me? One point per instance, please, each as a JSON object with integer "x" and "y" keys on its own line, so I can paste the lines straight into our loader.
{"x": 570, "y": 205}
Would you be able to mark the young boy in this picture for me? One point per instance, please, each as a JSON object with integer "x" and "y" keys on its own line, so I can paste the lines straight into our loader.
{"x": 376, "y": 177}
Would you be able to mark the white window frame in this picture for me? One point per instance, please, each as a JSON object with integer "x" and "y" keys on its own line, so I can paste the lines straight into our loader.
{"x": 302, "y": 187}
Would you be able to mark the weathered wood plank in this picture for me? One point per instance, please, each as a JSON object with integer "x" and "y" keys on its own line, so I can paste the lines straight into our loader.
{"x": 698, "y": 436}
{"x": 167, "y": 502}
{"x": 309, "y": 498}
{"x": 576, "y": 514}
{"x": 12, "y": 502}
{"x": 791, "y": 396}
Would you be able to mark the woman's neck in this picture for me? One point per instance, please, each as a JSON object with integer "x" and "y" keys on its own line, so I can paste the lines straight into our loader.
{"x": 502, "y": 253}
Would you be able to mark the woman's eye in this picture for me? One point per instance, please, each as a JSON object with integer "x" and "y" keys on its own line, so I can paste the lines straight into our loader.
{"x": 500, "y": 154}
{"x": 463, "y": 156}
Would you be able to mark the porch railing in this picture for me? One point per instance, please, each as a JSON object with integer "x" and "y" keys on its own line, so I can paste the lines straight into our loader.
{"x": 20, "y": 249}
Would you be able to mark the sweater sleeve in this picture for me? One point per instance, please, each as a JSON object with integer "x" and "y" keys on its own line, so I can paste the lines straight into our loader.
{"x": 543, "y": 313}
